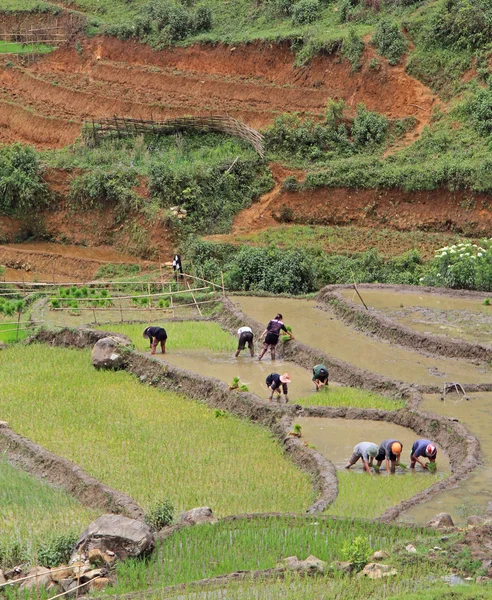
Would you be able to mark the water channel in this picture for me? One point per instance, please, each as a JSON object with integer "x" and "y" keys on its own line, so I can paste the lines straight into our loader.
{"x": 322, "y": 329}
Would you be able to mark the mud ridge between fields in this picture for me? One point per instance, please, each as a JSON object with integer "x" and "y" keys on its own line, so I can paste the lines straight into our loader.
{"x": 462, "y": 448}
{"x": 374, "y": 323}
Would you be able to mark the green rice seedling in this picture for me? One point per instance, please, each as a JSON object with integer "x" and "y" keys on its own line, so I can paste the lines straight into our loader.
{"x": 286, "y": 338}
{"x": 432, "y": 467}
{"x": 189, "y": 336}
{"x": 403, "y": 465}
{"x": 349, "y": 396}
{"x": 297, "y": 429}
{"x": 243, "y": 388}
{"x": 141, "y": 440}
{"x": 31, "y": 511}
{"x": 379, "y": 493}
{"x": 234, "y": 383}
{"x": 486, "y": 302}
{"x": 219, "y": 413}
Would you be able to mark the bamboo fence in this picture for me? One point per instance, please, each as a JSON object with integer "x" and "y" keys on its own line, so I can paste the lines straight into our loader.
{"x": 124, "y": 127}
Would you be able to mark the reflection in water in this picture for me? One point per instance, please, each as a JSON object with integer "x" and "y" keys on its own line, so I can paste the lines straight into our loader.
{"x": 474, "y": 493}
{"x": 323, "y": 330}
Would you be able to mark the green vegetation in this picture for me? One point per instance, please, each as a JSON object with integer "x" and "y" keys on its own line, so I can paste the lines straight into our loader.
{"x": 212, "y": 550}
{"x": 19, "y": 48}
{"x": 348, "y": 396}
{"x": 143, "y": 441}
{"x": 30, "y": 512}
{"x": 194, "y": 336}
{"x": 360, "y": 495}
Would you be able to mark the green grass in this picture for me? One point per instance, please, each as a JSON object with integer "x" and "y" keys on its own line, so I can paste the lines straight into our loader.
{"x": 149, "y": 444}
{"x": 360, "y": 495}
{"x": 213, "y": 550}
{"x": 194, "y": 336}
{"x": 18, "y": 48}
{"x": 31, "y": 511}
{"x": 348, "y": 396}
{"x": 8, "y": 333}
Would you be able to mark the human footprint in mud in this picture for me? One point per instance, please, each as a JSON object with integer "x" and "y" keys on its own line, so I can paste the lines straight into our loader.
{"x": 367, "y": 451}
{"x": 156, "y": 335}
{"x": 390, "y": 451}
{"x": 423, "y": 449}
{"x": 275, "y": 382}
{"x": 272, "y": 333}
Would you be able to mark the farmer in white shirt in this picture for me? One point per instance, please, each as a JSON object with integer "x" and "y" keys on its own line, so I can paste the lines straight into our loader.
{"x": 245, "y": 337}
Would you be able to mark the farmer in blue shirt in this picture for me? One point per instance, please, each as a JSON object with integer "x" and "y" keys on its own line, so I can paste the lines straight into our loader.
{"x": 422, "y": 449}
{"x": 367, "y": 451}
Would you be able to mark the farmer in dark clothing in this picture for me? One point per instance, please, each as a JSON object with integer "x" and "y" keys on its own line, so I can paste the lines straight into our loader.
{"x": 177, "y": 266}
{"x": 156, "y": 335}
{"x": 275, "y": 381}
{"x": 320, "y": 376}
{"x": 389, "y": 450}
{"x": 245, "y": 337}
{"x": 272, "y": 331}
{"x": 422, "y": 449}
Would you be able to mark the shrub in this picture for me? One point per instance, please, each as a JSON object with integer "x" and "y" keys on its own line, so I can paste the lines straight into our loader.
{"x": 369, "y": 128}
{"x": 461, "y": 24}
{"x": 160, "y": 515}
{"x": 389, "y": 40}
{"x": 305, "y": 11}
{"x": 56, "y": 550}
{"x": 352, "y": 49}
{"x": 100, "y": 187}
{"x": 202, "y": 20}
{"x": 357, "y": 551}
{"x": 480, "y": 111}
{"x": 22, "y": 189}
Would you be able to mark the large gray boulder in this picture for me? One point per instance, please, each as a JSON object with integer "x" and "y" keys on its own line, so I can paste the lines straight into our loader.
{"x": 110, "y": 352}
{"x": 115, "y": 533}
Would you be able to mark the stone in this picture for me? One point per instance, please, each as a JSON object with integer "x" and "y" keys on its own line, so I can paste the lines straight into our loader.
{"x": 377, "y": 571}
{"x": 99, "y": 584}
{"x": 78, "y": 568}
{"x": 88, "y": 575}
{"x": 61, "y": 572}
{"x": 475, "y": 520}
{"x": 109, "y": 352}
{"x": 100, "y": 559}
{"x": 69, "y": 587}
{"x": 411, "y": 549}
{"x": 380, "y": 555}
{"x": 2, "y": 578}
{"x": 483, "y": 579}
{"x": 343, "y": 566}
{"x": 197, "y": 516}
{"x": 315, "y": 564}
{"x": 311, "y": 564}
{"x": 441, "y": 521}
{"x": 40, "y": 578}
{"x": 116, "y": 533}
{"x": 453, "y": 579}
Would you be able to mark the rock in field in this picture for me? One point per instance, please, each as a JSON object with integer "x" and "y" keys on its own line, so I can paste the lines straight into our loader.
{"x": 197, "y": 516}
{"x": 343, "y": 566}
{"x": 380, "y": 555}
{"x": 441, "y": 521}
{"x": 115, "y": 533}
{"x": 311, "y": 564}
{"x": 411, "y": 549}
{"x": 40, "y": 578}
{"x": 377, "y": 571}
{"x": 109, "y": 352}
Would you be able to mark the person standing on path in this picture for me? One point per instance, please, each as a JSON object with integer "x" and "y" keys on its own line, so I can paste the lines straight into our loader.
{"x": 423, "y": 449}
{"x": 275, "y": 381}
{"x": 272, "y": 333}
{"x": 245, "y": 337}
{"x": 320, "y": 376}
{"x": 390, "y": 451}
{"x": 156, "y": 335}
{"x": 367, "y": 451}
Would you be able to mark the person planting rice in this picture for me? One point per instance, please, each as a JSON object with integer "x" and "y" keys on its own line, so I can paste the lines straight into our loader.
{"x": 423, "y": 449}
{"x": 156, "y": 335}
{"x": 390, "y": 451}
{"x": 367, "y": 451}
{"x": 275, "y": 381}
{"x": 245, "y": 337}
{"x": 320, "y": 376}
{"x": 272, "y": 333}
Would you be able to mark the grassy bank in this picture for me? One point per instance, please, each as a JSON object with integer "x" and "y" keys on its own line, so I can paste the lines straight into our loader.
{"x": 147, "y": 443}
{"x": 32, "y": 514}
{"x": 348, "y": 396}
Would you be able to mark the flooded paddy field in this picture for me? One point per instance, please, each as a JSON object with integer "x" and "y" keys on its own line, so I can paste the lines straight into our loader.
{"x": 466, "y": 318}
{"x": 323, "y": 330}
{"x": 473, "y": 494}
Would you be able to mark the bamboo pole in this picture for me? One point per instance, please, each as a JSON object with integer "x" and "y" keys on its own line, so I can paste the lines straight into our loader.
{"x": 194, "y": 299}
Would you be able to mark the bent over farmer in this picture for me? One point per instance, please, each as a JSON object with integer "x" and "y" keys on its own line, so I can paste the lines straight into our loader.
{"x": 245, "y": 337}
{"x": 422, "y": 449}
{"x": 320, "y": 376}
{"x": 390, "y": 451}
{"x": 156, "y": 335}
{"x": 275, "y": 381}
{"x": 272, "y": 333}
{"x": 367, "y": 451}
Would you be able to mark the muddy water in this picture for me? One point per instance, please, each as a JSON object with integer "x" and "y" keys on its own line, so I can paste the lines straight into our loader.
{"x": 336, "y": 438}
{"x": 101, "y": 253}
{"x": 473, "y": 494}
{"x": 463, "y": 318}
{"x": 323, "y": 330}
{"x": 251, "y": 371}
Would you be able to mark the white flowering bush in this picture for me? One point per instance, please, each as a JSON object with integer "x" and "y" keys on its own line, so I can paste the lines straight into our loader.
{"x": 465, "y": 265}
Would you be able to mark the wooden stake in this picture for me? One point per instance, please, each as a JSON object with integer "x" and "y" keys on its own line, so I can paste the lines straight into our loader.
{"x": 194, "y": 299}
{"x": 355, "y": 288}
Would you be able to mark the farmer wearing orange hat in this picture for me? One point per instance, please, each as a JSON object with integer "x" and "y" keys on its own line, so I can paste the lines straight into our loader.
{"x": 422, "y": 449}
{"x": 389, "y": 450}
{"x": 275, "y": 381}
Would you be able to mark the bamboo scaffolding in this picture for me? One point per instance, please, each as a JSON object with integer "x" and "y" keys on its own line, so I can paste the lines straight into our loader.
{"x": 135, "y": 309}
